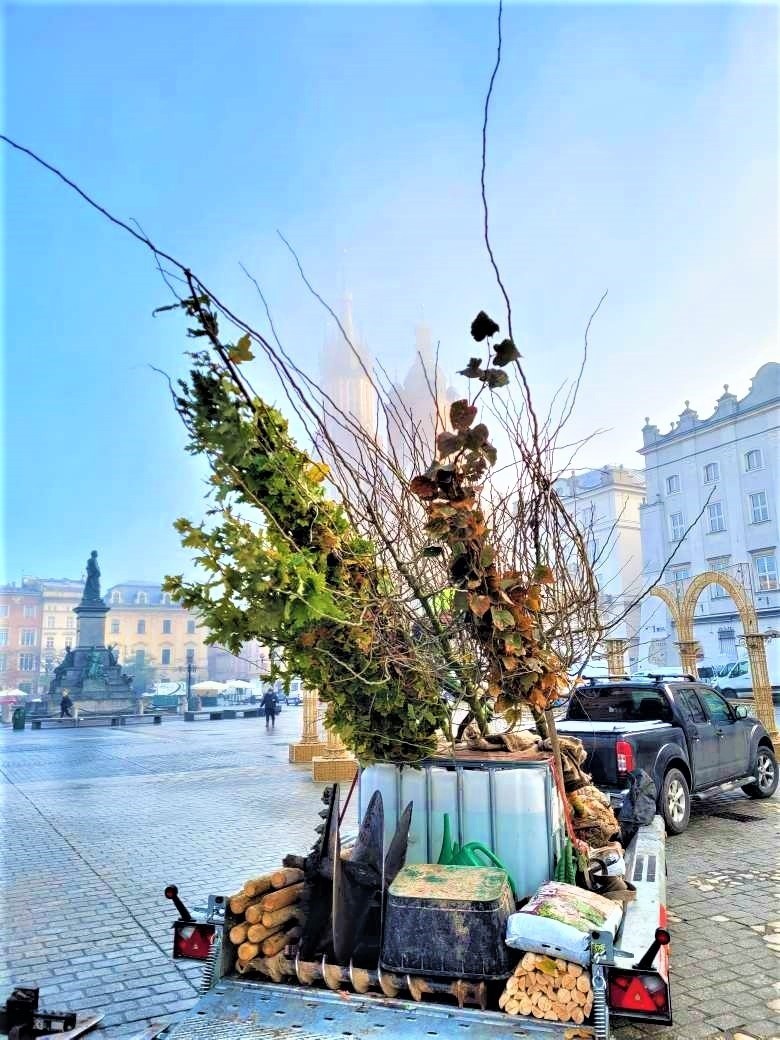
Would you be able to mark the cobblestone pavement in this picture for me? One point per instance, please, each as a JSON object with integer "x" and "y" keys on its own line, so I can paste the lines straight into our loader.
{"x": 96, "y": 822}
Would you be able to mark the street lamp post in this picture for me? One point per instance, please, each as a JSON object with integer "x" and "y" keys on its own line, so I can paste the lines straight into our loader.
{"x": 191, "y": 701}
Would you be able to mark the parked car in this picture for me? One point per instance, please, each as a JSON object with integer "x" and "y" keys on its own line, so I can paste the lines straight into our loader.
{"x": 736, "y": 679}
{"x": 684, "y": 733}
{"x": 710, "y": 672}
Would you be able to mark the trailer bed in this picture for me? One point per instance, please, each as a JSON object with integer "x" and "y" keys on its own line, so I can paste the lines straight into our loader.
{"x": 236, "y": 1009}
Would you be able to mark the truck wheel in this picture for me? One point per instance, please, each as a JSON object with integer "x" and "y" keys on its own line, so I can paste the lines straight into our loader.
{"x": 766, "y": 775}
{"x": 675, "y": 802}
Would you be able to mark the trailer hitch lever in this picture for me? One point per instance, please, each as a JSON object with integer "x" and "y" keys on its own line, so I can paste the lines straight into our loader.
{"x": 172, "y": 893}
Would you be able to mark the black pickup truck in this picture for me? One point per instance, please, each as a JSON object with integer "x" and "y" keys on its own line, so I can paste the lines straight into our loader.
{"x": 683, "y": 733}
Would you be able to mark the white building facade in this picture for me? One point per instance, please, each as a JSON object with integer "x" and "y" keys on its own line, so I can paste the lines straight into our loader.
{"x": 724, "y": 467}
{"x": 606, "y": 504}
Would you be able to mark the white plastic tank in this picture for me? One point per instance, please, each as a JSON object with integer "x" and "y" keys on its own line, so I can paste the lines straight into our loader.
{"x": 513, "y": 808}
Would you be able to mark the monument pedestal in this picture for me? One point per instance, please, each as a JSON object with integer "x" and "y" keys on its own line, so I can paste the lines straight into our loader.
{"x": 90, "y": 673}
{"x": 91, "y": 624}
{"x": 336, "y": 765}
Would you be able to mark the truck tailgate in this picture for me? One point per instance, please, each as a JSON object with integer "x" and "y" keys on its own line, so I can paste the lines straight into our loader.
{"x": 599, "y": 740}
{"x": 241, "y": 1010}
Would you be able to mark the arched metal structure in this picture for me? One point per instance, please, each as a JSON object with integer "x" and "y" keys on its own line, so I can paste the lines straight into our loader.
{"x": 682, "y": 609}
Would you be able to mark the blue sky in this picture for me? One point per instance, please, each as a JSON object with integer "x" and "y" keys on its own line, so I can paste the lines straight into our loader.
{"x": 633, "y": 148}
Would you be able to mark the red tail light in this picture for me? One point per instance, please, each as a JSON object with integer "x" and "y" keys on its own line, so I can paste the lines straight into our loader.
{"x": 624, "y": 754}
{"x": 638, "y": 993}
{"x": 193, "y": 941}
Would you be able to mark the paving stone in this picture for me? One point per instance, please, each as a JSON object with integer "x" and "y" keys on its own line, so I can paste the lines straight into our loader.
{"x": 103, "y": 821}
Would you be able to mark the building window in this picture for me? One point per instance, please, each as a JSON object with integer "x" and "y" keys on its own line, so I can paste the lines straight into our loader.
{"x": 190, "y": 628}
{"x": 715, "y": 517}
{"x": 754, "y": 460}
{"x": 759, "y": 508}
{"x": 26, "y": 662}
{"x": 28, "y": 637}
{"x": 165, "y": 656}
{"x": 672, "y": 484}
{"x": 711, "y": 473}
{"x": 3, "y": 637}
{"x": 140, "y": 658}
{"x": 141, "y": 598}
{"x": 50, "y": 643}
{"x": 69, "y": 622}
{"x": 50, "y": 621}
{"x": 190, "y": 652}
{"x": 166, "y": 627}
{"x": 29, "y": 610}
{"x": 166, "y": 599}
{"x": 114, "y": 628}
{"x": 680, "y": 573}
{"x": 727, "y": 642}
{"x": 766, "y": 571}
{"x": 3, "y": 662}
{"x": 677, "y": 526}
{"x": 720, "y": 564}
{"x": 3, "y": 610}
{"x": 141, "y": 627}
{"x": 116, "y": 596}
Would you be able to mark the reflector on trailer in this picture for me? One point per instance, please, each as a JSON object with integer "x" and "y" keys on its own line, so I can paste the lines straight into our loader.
{"x": 192, "y": 940}
{"x": 639, "y": 995}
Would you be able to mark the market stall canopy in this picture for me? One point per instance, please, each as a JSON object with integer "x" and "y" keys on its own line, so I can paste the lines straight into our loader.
{"x": 6, "y": 696}
{"x": 209, "y": 685}
{"x": 240, "y": 684}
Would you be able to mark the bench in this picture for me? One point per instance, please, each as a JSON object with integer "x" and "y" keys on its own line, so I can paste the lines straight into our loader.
{"x": 52, "y": 722}
{"x": 214, "y": 714}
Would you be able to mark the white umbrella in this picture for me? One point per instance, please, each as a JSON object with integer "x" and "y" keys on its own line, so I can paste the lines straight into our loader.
{"x": 12, "y": 693}
{"x": 240, "y": 684}
{"x": 209, "y": 685}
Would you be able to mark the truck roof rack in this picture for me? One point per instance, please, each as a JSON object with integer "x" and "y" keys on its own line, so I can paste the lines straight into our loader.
{"x": 593, "y": 679}
{"x": 661, "y": 678}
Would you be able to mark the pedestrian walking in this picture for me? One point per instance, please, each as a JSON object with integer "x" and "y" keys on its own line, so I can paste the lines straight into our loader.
{"x": 66, "y": 707}
{"x": 269, "y": 705}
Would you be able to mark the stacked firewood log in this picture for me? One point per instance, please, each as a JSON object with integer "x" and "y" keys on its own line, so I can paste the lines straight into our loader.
{"x": 548, "y": 988}
{"x": 271, "y": 912}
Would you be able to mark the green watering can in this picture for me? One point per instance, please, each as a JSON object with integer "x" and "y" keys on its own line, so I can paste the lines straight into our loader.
{"x": 453, "y": 855}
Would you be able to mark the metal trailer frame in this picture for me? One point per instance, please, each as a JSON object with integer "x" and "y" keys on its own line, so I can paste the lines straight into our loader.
{"x": 240, "y": 1008}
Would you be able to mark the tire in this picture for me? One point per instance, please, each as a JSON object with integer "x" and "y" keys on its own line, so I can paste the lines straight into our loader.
{"x": 675, "y": 802}
{"x": 767, "y": 775}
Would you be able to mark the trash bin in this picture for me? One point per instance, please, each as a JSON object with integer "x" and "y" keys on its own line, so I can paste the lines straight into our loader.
{"x": 18, "y": 718}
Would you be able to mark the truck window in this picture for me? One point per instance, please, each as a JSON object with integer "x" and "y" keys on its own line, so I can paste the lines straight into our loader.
{"x": 718, "y": 708}
{"x": 619, "y": 704}
{"x": 690, "y": 706}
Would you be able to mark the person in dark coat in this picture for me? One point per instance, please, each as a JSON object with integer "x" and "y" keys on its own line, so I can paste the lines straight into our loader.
{"x": 66, "y": 707}
{"x": 269, "y": 705}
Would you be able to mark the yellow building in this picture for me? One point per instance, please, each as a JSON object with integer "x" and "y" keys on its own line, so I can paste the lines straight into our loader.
{"x": 148, "y": 629}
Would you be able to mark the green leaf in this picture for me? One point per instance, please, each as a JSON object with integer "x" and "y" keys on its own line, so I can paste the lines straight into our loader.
{"x": 506, "y": 352}
{"x": 486, "y": 556}
{"x": 502, "y": 619}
